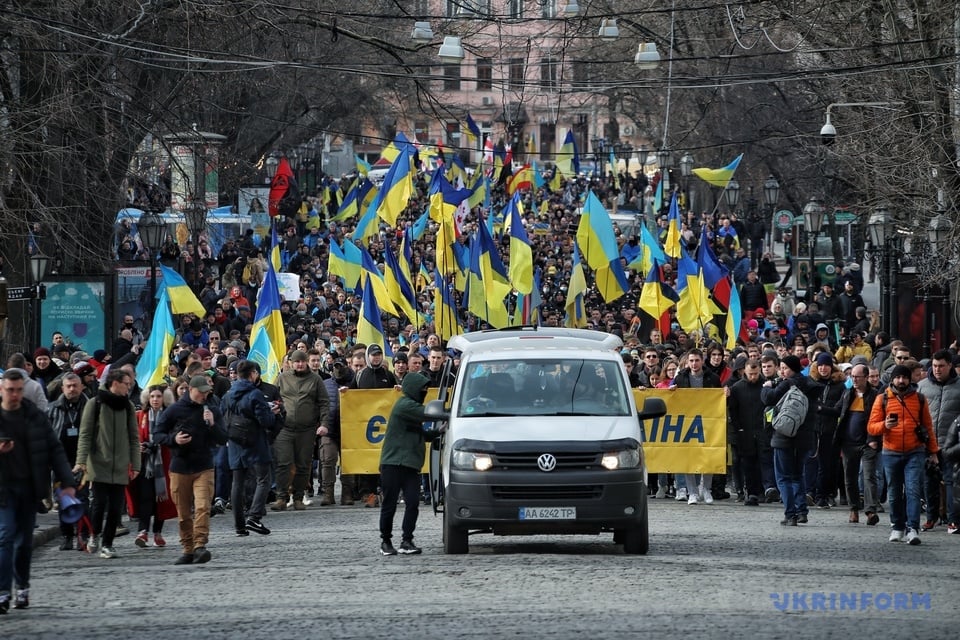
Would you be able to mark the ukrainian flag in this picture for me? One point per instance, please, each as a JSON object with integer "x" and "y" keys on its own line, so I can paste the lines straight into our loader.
{"x": 446, "y": 320}
{"x": 369, "y": 325}
{"x": 152, "y": 367}
{"x": 718, "y": 177}
{"x": 182, "y": 298}
{"x": 521, "y": 253}
{"x": 268, "y": 340}
{"x": 599, "y": 245}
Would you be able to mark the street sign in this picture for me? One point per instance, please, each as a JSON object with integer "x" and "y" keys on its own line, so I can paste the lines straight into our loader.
{"x": 21, "y": 293}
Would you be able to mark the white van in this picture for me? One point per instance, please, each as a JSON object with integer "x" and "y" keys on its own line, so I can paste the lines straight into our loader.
{"x": 540, "y": 436}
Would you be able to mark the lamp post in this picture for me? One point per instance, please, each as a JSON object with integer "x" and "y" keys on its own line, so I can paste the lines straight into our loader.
{"x": 663, "y": 161}
{"x": 271, "y": 165}
{"x": 878, "y": 226}
{"x": 812, "y": 219}
{"x": 196, "y": 215}
{"x": 38, "y": 270}
{"x": 771, "y": 195}
{"x": 686, "y": 170}
{"x": 598, "y": 144}
{"x": 732, "y": 195}
{"x": 152, "y": 230}
{"x": 939, "y": 232}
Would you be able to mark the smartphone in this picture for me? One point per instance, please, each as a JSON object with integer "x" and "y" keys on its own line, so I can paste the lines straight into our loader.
{"x": 895, "y": 416}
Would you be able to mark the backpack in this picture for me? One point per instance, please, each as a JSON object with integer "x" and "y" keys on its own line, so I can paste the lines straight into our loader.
{"x": 790, "y": 412}
{"x": 241, "y": 429}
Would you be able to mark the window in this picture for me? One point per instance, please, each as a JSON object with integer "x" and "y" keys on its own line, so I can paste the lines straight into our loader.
{"x": 515, "y": 9}
{"x": 484, "y": 74}
{"x": 453, "y": 134}
{"x": 451, "y": 77}
{"x": 549, "y": 8}
{"x": 466, "y": 8}
{"x": 516, "y": 73}
{"x": 581, "y": 75}
{"x": 421, "y": 131}
{"x": 548, "y": 73}
{"x": 421, "y": 8}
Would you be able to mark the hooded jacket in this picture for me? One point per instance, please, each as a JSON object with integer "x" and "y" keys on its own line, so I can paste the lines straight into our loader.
{"x": 912, "y": 410}
{"x": 944, "y": 399}
{"x": 186, "y": 415}
{"x": 379, "y": 377}
{"x": 46, "y": 452}
{"x": 305, "y": 399}
{"x": 109, "y": 442}
{"x": 403, "y": 443}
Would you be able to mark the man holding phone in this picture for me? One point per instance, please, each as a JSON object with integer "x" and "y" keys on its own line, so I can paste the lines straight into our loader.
{"x": 29, "y": 450}
{"x": 901, "y": 415}
{"x": 192, "y": 427}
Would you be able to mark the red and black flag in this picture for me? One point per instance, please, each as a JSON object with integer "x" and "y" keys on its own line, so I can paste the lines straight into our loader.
{"x": 284, "y": 192}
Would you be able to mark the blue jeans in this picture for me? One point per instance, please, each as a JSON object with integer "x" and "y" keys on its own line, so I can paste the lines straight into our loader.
{"x": 788, "y": 468}
{"x": 18, "y": 517}
{"x": 223, "y": 476}
{"x": 905, "y": 486}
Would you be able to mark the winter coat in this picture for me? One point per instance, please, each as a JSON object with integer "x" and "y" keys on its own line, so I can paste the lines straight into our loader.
{"x": 745, "y": 416}
{"x": 753, "y": 295}
{"x": 166, "y": 509}
{"x": 912, "y": 410}
{"x": 828, "y": 405}
{"x": 951, "y": 449}
{"x": 246, "y": 399}
{"x": 403, "y": 443}
{"x": 840, "y": 436}
{"x": 46, "y": 452}
{"x": 187, "y": 416}
{"x": 710, "y": 379}
{"x": 805, "y": 437}
{"x": 109, "y": 444}
{"x": 944, "y": 400}
{"x": 305, "y": 399}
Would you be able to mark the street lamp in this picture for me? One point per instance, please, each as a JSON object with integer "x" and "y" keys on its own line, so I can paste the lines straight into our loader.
{"x": 771, "y": 195}
{"x": 271, "y": 164}
{"x": 663, "y": 161}
{"x": 38, "y": 269}
{"x": 196, "y": 215}
{"x": 643, "y": 156}
{"x": 732, "y": 195}
{"x": 598, "y": 145}
{"x": 686, "y": 170}
{"x": 939, "y": 236}
{"x": 152, "y": 230}
{"x": 812, "y": 219}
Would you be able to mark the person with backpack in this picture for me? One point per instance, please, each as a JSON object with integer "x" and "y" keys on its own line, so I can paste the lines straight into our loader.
{"x": 790, "y": 451}
{"x": 901, "y": 415}
{"x": 250, "y": 451}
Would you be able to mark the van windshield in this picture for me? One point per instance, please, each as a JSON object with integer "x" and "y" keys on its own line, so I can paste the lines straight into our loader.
{"x": 537, "y": 387}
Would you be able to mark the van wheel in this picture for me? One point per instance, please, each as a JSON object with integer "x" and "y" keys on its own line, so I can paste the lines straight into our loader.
{"x": 636, "y": 541}
{"x": 455, "y": 539}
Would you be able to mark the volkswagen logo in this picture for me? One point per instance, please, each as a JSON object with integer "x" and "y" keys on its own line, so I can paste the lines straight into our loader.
{"x": 547, "y": 462}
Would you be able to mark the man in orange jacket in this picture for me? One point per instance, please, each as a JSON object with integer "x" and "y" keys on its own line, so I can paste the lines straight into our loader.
{"x": 902, "y": 416}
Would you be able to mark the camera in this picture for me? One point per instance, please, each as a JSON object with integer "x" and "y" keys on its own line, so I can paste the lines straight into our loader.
{"x": 828, "y": 133}
{"x": 922, "y": 434}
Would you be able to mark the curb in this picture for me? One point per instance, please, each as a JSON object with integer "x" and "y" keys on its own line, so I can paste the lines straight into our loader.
{"x": 45, "y": 534}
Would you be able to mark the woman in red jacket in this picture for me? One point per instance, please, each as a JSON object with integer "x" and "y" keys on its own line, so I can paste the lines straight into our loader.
{"x": 148, "y": 496}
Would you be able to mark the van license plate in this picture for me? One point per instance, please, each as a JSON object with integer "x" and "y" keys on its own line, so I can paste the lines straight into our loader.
{"x": 548, "y": 513}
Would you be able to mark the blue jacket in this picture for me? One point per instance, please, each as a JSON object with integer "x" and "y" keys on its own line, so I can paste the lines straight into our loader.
{"x": 246, "y": 399}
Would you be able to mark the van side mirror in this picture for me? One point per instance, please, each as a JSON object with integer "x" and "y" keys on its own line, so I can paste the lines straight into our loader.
{"x": 436, "y": 412}
{"x": 652, "y": 408}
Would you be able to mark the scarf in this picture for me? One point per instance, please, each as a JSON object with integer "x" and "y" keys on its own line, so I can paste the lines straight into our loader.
{"x": 154, "y": 467}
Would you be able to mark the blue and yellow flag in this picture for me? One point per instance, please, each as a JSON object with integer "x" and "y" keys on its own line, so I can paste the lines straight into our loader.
{"x": 392, "y": 150}
{"x": 576, "y": 316}
{"x": 471, "y": 130}
{"x": 396, "y": 190}
{"x": 369, "y": 325}
{"x": 694, "y": 308}
{"x": 568, "y": 159}
{"x": 718, "y": 177}
{"x": 372, "y": 277}
{"x": 268, "y": 339}
{"x": 274, "y": 248}
{"x": 445, "y": 318}
{"x": 152, "y": 366}
{"x": 420, "y": 224}
{"x": 182, "y": 298}
{"x": 521, "y": 253}
{"x": 399, "y": 286}
{"x": 346, "y": 263}
{"x": 599, "y": 245}
{"x": 671, "y": 246}
{"x": 656, "y": 297}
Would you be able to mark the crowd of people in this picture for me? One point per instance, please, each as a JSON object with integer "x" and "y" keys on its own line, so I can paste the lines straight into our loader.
{"x": 881, "y": 429}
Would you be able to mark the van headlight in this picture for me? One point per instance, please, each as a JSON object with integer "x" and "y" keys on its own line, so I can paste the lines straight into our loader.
{"x": 471, "y": 460}
{"x": 626, "y": 459}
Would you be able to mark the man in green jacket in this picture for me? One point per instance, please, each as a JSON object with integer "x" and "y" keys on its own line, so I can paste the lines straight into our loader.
{"x": 108, "y": 452}
{"x": 401, "y": 459}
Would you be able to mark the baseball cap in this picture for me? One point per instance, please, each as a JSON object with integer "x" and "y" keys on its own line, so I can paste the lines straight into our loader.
{"x": 201, "y": 383}
{"x": 298, "y": 356}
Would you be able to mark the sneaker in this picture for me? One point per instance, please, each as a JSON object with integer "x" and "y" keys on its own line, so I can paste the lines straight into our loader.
{"x": 306, "y": 502}
{"x": 254, "y": 524}
{"x": 299, "y": 505}
{"x": 928, "y": 525}
{"x": 953, "y": 528}
{"x": 831, "y": 501}
{"x": 201, "y": 555}
{"x": 741, "y": 496}
{"x": 751, "y": 501}
{"x": 386, "y": 549}
{"x": 186, "y": 558}
{"x": 771, "y": 495}
{"x": 67, "y": 543}
{"x": 854, "y": 517}
{"x": 242, "y": 533}
{"x": 122, "y": 530}
{"x": 896, "y": 536}
{"x": 141, "y": 540}
{"x": 912, "y": 538}
{"x": 708, "y": 496}
{"x": 661, "y": 493}
{"x": 93, "y": 545}
{"x": 219, "y": 507}
{"x": 872, "y": 518}
{"x": 409, "y": 549}
{"x": 158, "y": 540}
{"x": 823, "y": 503}
{"x": 692, "y": 499}
{"x": 681, "y": 494}
{"x": 107, "y": 553}
{"x": 4, "y": 604}
{"x": 810, "y": 500}
{"x": 371, "y": 500}
{"x": 22, "y": 600}
{"x": 279, "y": 505}
{"x": 802, "y": 518}
{"x": 788, "y": 522}
{"x": 346, "y": 501}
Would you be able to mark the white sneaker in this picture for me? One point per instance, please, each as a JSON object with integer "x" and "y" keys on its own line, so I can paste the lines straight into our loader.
{"x": 307, "y": 501}
{"x": 681, "y": 494}
{"x": 896, "y": 536}
{"x": 692, "y": 499}
{"x": 661, "y": 493}
{"x": 913, "y": 537}
{"x": 107, "y": 553}
{"x": 707, "y": 496}
{"x": 93, "y": 544}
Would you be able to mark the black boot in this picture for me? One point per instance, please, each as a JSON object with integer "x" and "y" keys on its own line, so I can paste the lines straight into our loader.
{"x": 67, "y": 543}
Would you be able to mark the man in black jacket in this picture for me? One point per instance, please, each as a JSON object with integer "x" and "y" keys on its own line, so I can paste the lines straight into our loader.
{"x": 745, "y": 412}
{"x": 29, "y": 450}
{"x": 857, "y": 445}
{"x": 192, "y": 427}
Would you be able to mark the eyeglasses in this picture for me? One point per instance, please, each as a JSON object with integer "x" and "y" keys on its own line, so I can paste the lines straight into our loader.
{"x": 902, "y": 358}
{"x": 652, "y": 356}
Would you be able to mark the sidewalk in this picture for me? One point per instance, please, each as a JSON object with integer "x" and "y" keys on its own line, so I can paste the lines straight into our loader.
{"x": 48, "y": 528}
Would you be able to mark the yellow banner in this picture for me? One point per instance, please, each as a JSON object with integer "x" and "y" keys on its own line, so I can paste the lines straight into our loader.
{"x": 363, "y": 424}
{"x": 690, "y": 438}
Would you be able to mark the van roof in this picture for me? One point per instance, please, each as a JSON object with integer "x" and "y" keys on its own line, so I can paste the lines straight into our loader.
{"x": 530, "y": 337}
